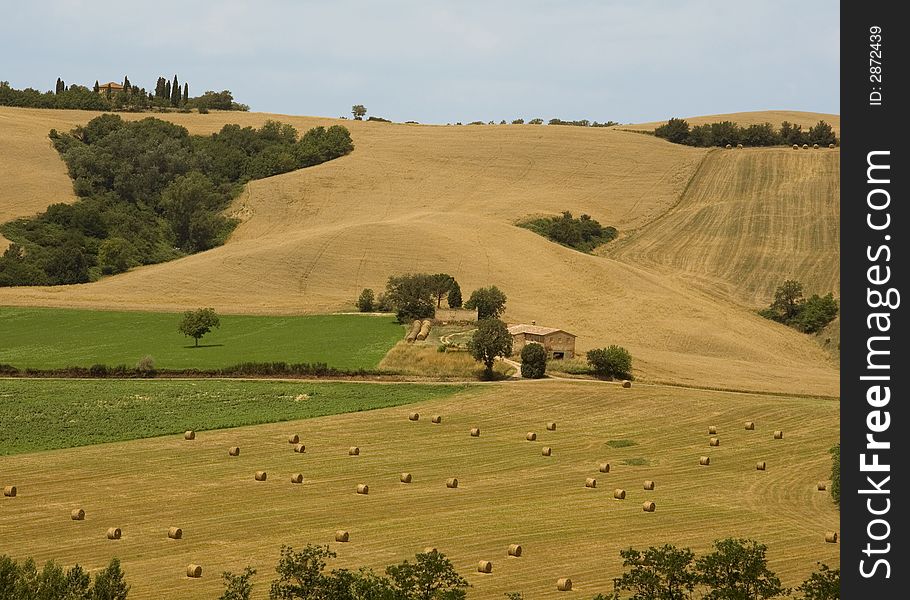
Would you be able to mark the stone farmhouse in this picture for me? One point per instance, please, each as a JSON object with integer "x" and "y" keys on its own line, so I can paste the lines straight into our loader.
{"x": 557, "y": 342}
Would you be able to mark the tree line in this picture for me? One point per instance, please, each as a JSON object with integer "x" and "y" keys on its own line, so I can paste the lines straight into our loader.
{"x": 150, "y": 192}
{"x": 791, "y": 308}
{"x": 583, "y": 234}
{"x": 723, "y": 133}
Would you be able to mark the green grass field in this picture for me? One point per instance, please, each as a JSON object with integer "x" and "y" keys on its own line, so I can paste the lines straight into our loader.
{"x": 47, "y": 338}
{"x": 49, "y": 414}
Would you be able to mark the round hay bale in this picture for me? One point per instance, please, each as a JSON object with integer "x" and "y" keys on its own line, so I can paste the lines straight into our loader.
{"x": 604, "y": 467}
{"x": 750, "y": 425}
{"x": 760, "y": 465}
{"x": 260, "y": 476}
{"x": 739, "y": 146}
{"x": 648, "y": 506}
{"x": 815, "y": 146}
{"x": 300, "y": 448}
{"x": 805, "y": 146}
{"x": 778, "y": 435}
{"x": 452, "y": 483}
{"x": 189, "y": 435}
{"x": 414, "y": 417}
{"x": 405, "y": 478}
{"x": 174, "y": 533}
{"x": 564, "y": 584}
{"x": 234, "y": 451}
{"x": 626, "y": 383}
{"x": 342, "y": 536}
{"x": 353, "y": 451}
{"x": 10, "y": 491}
{"x": 485, "y": 566}
{"x": 714, "y": 442}
{"x": 77, "y": 514}
{"x": 297, "y": 478}
{"x": 704, "y": 461}
{"x": 649, "y": 484}
{"x": 194, "y": 571}
{"x": 294, "y": 439}
{"x": 728, "y": 146}
{"x": 547, "y": 451}
{"x": 619, "y": 494}
{"x": 475, "y": 432}
{"x": 822, "y": 486}
{"x": 590, "y": 482}
{"x": 114, "y": 533}
{"x": 437, "y": 419}
{"x": 515, "y": 550}
{"x": 531, "y": 437}
{"x": 796, "y": 146}
{"x": 551, "y": 426}
{"x": 712, "y": 429}
{"x": 363, "y": 488}
{"x": 831, "y": 145}
{"x": 831, "y": 537}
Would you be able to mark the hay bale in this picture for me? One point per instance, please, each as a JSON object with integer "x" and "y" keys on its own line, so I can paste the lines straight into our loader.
{"x": 714, "y": 442}
{"x": 10, "y": 491}
{"x": 831, "y": 537}
{"x": 114, "y": 533}
{"x": 452, "y": 483}
{"x": 778, "y": 435}
{"x": 174, "y": 533}
{"x": 815, "y": 146}
{"x": 728, "y": 146}
{"x": 515, "y": 550}
{"x": 551, "y": 426}
{"x": 704, "y": 461}
{"x": 564, "y": 584}
{"x": 822, "y": 486}
{"x": 712, "y": 429}
{"x": 297, "y": 478}
{"x": 353, "y": 451}
{"x": 475, "y": 432}
{"x": 413, "y": 416}
{"x": 547, "y": 451}
{"x": 363, "y": 488}
{"x": 260, "y": 476}
{"x": 648, "y": 506}
{"x": 342, "y": 536}
{"x": 805, "y": 146}
{"x": 626, "y": 383}
{"x": 294, "y": 439}
{"x": 739, "y": 146}
{"x": 619, "y": 494}
{"x": 796, "y": 146}
{"x": 649, "y": 484}
{"x": 484, "y": 566}
{"x": 531, "y": 437}
{"x": 189, "y": 435}
{"x": 405, "y": 478}
{"x": 604, "y": 467}
{"x": 760, "y": 465}
{"x": 300, "y": 448}
{"x": 750, "y": 425}
{"x": 424, "y": 330}
{"x": 415, "y": 329}
{"x": 234, "y": 451}
{"x": 831, "y": 145}
{"x": 194, "y": 571}
{"x": 77, "y": 514}
{"x": 437, "y": 419}
{"x": 590, "y": 482}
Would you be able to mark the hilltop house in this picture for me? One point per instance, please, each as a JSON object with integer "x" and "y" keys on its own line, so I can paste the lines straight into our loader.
{"x": 557, "y": 342}
{"x": 111, "y": 86}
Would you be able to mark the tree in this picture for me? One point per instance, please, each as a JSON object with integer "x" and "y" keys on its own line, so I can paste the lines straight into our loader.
{"x": 358, "y": 110}
{"x": 835, "y": 473}
{"x": 533, "y": 361}
{"x": 454, "y": 296}
{"x": 126, "y": 84}
{"x": 186, "y": 92}
{"x": 365, "y": 301}
{"x": 411, "y": 296}
{"x": 822, "y": 134}
{"x": 738, "y": 570}
{"x": 490, "y": 302}
{"x": 725, "y": 132}
{"x": 59, "y": 88}
{"x": 189, "y": 196}
{"x": 664, "y": 573}
{"x": 815, "y": 313}
{"x": 491, "y": 340}
{"x": 440, "y": 284}
{"x": 197, "y": 323}
{"x": 787, "y": 299}
{"x": 824, "y": 584}
{"x": 116, "y": 255}
{"x": 237, "y": 587}
{"x": 175, "y": 92}
{"x": 300, "y": 574}
{"x": 67, "y": 265}
{"x": 110, "y": 584}
{"x": 675, "y": 130}
{"x": 431, "y": 577}
{"x": 167, "y": 91}
{"x": 612, "y": 361}
{"x": 96, "y": 88}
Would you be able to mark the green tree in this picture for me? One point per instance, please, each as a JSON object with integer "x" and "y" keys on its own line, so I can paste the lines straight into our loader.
{"x": 197, "y": 323}
{"x": 823, "y": 584}
{"x": 189, "y": 196}
{"x": 760, "y": 134}
{"x": 440, "y": 285}
{"x": 814, "y": 313}
{"x": 186, "y": 92}
{"x": 491, "y": 340}
{"x": 175, "y": 92}
{"x": 110, "y": 583}
{"x": 96, "y": 88}
{"x": 365, "y": 301}
{"x": 358, "y": 110}
{"x": 490, "y": 302}
{"x": 822, "y": 134}
{"x": 301, "y": 574}
{"x": 725, "y": 132}
{"x": 613, "y": 362}
{"x": 738, "y": 570}
{"x": 675, "y": 130}
{"x": 238, "y": 587}
{"x": 658, "y": 573}
{"x": 787, "y": 300}
{"x": 66, "y": 265}
{"x": 835, "y": 473}
{"x": 454, "y": 296}
{"x": 430, "y": 577}
{"x": 116, "y": 255}
{"x": 411, "y": 296}
{"x": 533, "y": 361}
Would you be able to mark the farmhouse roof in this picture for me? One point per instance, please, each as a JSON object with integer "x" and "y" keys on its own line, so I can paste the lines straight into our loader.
{"x": 111, "y": 84}
{"x": 536, "y": 330}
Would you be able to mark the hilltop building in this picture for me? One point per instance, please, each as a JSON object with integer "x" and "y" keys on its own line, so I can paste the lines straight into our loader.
{"x": 557, "y": 342}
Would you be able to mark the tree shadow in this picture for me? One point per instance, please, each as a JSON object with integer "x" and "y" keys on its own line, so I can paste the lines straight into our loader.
{"x": 204, "y": 346}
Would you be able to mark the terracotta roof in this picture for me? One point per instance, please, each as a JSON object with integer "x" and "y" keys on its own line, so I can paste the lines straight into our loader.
{"x": 112, "y": 84}
{"x": 535, "y": 330}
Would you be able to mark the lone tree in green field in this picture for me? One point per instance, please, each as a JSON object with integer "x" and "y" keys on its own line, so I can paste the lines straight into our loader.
{"x": 491, "y": 340}
{"x": 197, "y": 323}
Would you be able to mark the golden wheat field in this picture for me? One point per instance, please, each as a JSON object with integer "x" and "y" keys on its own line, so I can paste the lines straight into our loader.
{"x": 445, "y": 199}
{"x": 508, "y": 493}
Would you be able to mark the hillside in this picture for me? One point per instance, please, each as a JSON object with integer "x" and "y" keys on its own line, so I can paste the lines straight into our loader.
{"x": 775, "y": 117}
{"x": 440, "y": 198}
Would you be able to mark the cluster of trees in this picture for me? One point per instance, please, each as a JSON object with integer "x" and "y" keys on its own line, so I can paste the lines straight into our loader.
{"x": 583, "y": 234}
{"x": 19, "y": 581}
{"x": 808, "y": 315}
{"x": 150, "y": 192}
{"x": 612, "y": 362}
{"x": 555, "y": 121}
{"x": 759, "y": 134}
{"x": 413, "y": 296}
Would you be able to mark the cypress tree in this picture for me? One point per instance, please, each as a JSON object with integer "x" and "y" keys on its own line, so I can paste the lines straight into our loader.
{"x": 97, "y": 87}
{"x": 58, "y": 86}
{"x": 175, "y": 92}
{"x": 126, "y": 84}
{"x": 186, "y": 92}
{"x": 167, "y": 89}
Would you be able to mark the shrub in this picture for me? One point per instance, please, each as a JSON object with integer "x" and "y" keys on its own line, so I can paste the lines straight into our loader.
{"x": 365, "y": 301}
{"x": 533, "y": 361}
{"x": 99, "y": 370}
{"x": 792, "y": 309}
{"x": 583, "y": 234}
{"x": 611, "y": 362}
{"x": 145, "y": 367}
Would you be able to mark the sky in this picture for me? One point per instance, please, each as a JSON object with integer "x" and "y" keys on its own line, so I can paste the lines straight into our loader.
{"x": 436, "y": 61}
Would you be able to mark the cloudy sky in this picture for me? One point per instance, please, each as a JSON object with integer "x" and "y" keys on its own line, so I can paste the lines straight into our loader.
{"x": 440, "y": 61}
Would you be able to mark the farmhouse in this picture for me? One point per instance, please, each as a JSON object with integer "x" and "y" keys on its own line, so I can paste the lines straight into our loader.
{"x": 558, "y": 343}
{"x": 111, "y": 86}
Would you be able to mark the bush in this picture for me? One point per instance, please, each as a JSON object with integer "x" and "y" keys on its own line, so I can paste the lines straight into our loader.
{"x": 583, "y": 234}
{"x": 792, "y": 309}
{"x": 365, "y": 301}
{"x": 533, "y": 361}
{"x": 99, "y": 370}
{"x": 611, "y": 362}
{"x": 145, "y": 367}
